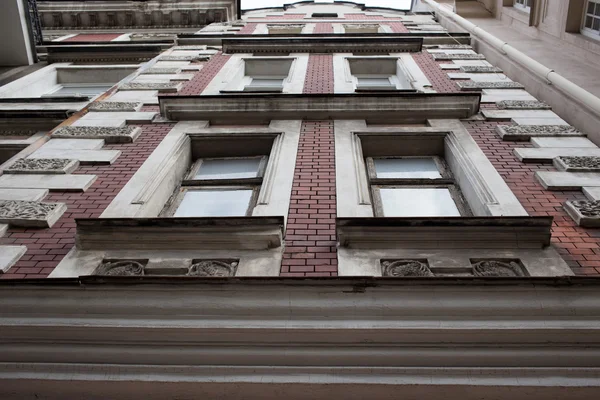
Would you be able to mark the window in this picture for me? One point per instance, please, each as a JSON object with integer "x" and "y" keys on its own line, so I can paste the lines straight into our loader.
{"x": 414, "y": 187}
{"x": 324, "y": 15}
{"x": 379, "y": 73}
{"x": 265, "y": 84}
{"x": 375, "y": 83}
{"x": 591, "y": 19}
{"x": 524, "y": 5}
{"x": 261, "y": 74}
{"x": 79, "y": 90}
{"x": 361, "y": 28}
{"x": 290, "y": 29}
{"x": 219, "y": 187}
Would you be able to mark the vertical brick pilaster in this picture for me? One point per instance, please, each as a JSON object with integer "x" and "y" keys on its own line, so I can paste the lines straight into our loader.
{"x": 398, "y": 27}
{"x": 93, "y": 37}
{"x": 248, "y": 29}
{"x": 319, "y": 74}
{"x": 436, "y": 75}
{"x": 323, "y": 27}
{"x": 310, "y": 237}
{"x": 203, "y": 77}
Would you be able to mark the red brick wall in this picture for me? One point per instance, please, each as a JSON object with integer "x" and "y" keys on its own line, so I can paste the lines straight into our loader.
{"x": 398, "y": 27}
{"x": 319, "y": 74}
{"x": 310, "y": 237}
{"x": 203, "y": 77}
{"x": 437, "y": 77}
{"x": 47, "y": 247}
{"x": 323, "y": 27}
{"x": 248, "y": 29}
{"x": 93, "y": 37}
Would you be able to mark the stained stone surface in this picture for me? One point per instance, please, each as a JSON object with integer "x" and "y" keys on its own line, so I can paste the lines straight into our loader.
{"x": 472, "y": 85}
{"x": 185, "y": 58}
{"x": 164, "y": 86}
{"x": 474, "y": 69}
{"x": 9, "y": 255}
{"x": 17, "y": 132}
{"x": 584, "y": 213}
{"x": 213, "y": 268}
{"x": 577, "y": 164}
{"x": 493, "y": 268}
{"x": 42, "y": 166}
{"x": 30, "y": 213}
{"x": 401, "y": 268}
{"x": 125, "y": 134}
{"x": 446, "y": 56}
{"x": 525, "y": 132}
{"x": 522, "y": 105}
{"x": 114, "y": 106}
{"x": 159, "y": 71}
{"x": 120, "y": 268}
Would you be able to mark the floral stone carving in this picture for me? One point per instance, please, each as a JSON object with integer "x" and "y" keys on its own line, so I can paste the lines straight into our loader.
{"x": 42, "y": 166}
{"x": 214, "y": 268}
{"x": 164, "y": 86}
{"x": 120, "y": 268}
{"x": 525, "y": 132}
{"x": 114, "y": 106}
{"x": 406, "y": 268}
{"x": 474, "y": 69}
{"x": 161, "y": 71}
{"x": 497, "y": 268}
{"x": 125, "y": 134}
{"x": 446, "y": 56}
{"x": 522, "y": 105}
{"x": 585, "y": 213}
{"x": 30, "y": 213}
{"x": 578, "y": 164}
{"x": 473, "y": 85}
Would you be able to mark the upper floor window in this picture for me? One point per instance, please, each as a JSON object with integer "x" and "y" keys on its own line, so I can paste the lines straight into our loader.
{"x": 324, "y": 15}
{"x": 524, "y": 5}
{"x": 361, "y": 28}
{"x": 79, "y": 90}
{"x": 379, "y": 73}
{"x": 261, "y": 74}
{"x": 289, "y": 29}
{"x": 591, "y": 19}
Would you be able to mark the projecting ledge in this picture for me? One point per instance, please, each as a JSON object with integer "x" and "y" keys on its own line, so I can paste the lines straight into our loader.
{"x": 235, "y": 233}
{"x": 399, "y": 107}
{"x": 445, "y": 232}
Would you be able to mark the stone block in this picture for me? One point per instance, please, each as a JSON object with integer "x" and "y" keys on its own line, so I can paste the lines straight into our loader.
{"x": 23, "y": 194}
{"x": 472, "y": 85}
{"x": 563, "y": 142}
{"x": 522, "y": 133}
{"x": 548, "y": 154}
{"x": 513, "y": 115}
{"x": 9, "y": 255}
{"x": 160, "y": 71}
{"x": 448, "y": 56}
{"x": 495, "y": 95}
{"x": 522, "y": 105}
{"x": 70, "y": 183}
{"x": 125, "y": 134}
{"x": 584, "y": 213}
{"x": 114, "y": 106}
{"x": 3, "y": 229}
{"x": 592, "y": 193}
{"x": 114, "y": 119}
{"x": 42, "y": 166}
{"x": 474, "y": 69}
{"x": 185, "y": 58}
{"x": 73, "y": 144}
{"x": 165, "y": 87}
{"x": 559, "y": 180}
{"x": 480, "y": 77}
{"x": 141, "y": 96}
{"x": 30, "y": 214}
{"x": 577, "y": 164}
{"x": 84, "y": 156}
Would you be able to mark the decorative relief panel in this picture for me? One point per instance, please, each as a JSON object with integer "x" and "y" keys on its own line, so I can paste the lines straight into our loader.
{"x": 525, "y": 132}
{"x": 474, "y": 69}
{"x": 161, "y": 71}
{"x": 578, "y": 164}
{"x": 17, "y": 132}
{"x": 406, "y": 268}
{"x": 164, "y": 86}
{"x": 121, "y": 268}
{"x": 585, "y": 213}
{"x": 125, "y": 134}
{"x": 198, "y": 268}
{"x": 30, "y": 213}
{"x": 472, "y": 85}
{"x": 114, "y": 106}
{"x": 447, "y": 57}
{"x": 522, "y": 105}
{"x": 42, "y": 166}
{"x": 185, "y": 58}
{"x": 497, "y": 268}
{"x": 216, "y": 268}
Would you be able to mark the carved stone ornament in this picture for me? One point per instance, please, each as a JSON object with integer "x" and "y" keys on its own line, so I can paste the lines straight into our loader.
{"x": 289, "y": 27}
{"x": 522, "y": 105}
{"x": 450, "y": 46}
{"x": 170, "y": 86}
{"x": 406, "y": 268}
{"x": 152, "y": 36}
{"x": 446, "y": 56}
{"x": 588, "y": 208}
{"x": 578, "y": 164}
{"x": 585, "y": 213}
{"x": 525, "y": 132}
{"x": 213, "y": 268}
{"x": 120, "y": 268}
{"x": 497, "y": 268}
{"x": 161, "y": 71}
{"x": 114, "y": 106}
{"x": 475, "y": 69}
{"x": 361, "y": 26}
{"x": 30, "y": 213}
{"x": 473, "y": 85}
{"x": 17, "y": 132}
{"x": 42, "y": 166}
{"x": 125, "y": 134}
{"x": 185, "y": 58}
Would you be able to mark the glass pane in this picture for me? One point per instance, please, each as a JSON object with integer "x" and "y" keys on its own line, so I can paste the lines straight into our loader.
{"x": 266, "y": 82}
{"x": 425, "y": 168}
{"x": 596, "y": 25}
{"x": 374, "y": 81}
{"x": 240, "y": 168}
{"x": 418, "y": 202}
{"x": 214, "y": 203}
{"x": 588, "y": 22}
{"x": 597, "y": 12}
{"x": 590, "y": 8}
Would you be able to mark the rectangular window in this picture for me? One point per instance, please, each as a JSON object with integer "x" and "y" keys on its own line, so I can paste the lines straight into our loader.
{"x": 414, "y": 187}
{"x": 379, "y": 73}
{"x": 219, "y": 187}
{"x": 324, "y": 15}
{"x": 265, "y": 84}
{"x": 524, "y": 4}
{"x": 79, "y": 90}
{"x": 591, "y": 19}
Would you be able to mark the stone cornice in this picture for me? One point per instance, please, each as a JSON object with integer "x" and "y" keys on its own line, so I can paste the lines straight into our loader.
{"x": 398, "y": 107}
{"x": 118, "y": 51}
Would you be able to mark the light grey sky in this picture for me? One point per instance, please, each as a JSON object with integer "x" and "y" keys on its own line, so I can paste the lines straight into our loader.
{"x": 400, "y": 4}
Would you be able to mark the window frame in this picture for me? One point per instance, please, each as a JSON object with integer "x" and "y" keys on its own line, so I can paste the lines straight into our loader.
{"x": 61, "y": 86}
{"x": 589, "y": 32}
{"x": 188, "y": 183}
{"x": 446, "y": 181}
{"x": 521, "y": 6}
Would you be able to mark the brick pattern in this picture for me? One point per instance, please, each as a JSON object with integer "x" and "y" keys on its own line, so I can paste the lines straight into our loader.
{"x": 47, "y": 247}
{"x": 93, "y": 37}
{"x": 310, "y": 237}
{"x": 437, "y": 76}
{"x": 361, "y": 16}
{"x": 398, "y": 27}
{"x": 319, "y": 74}
{"x": 248, "y": 29}
{"x": 323, "y": 27}
{"x": 203, "y": 77}
{"x": 284, "y": 16}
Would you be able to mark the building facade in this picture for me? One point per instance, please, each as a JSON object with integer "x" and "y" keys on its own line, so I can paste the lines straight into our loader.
{"x": 315, "y": 200}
